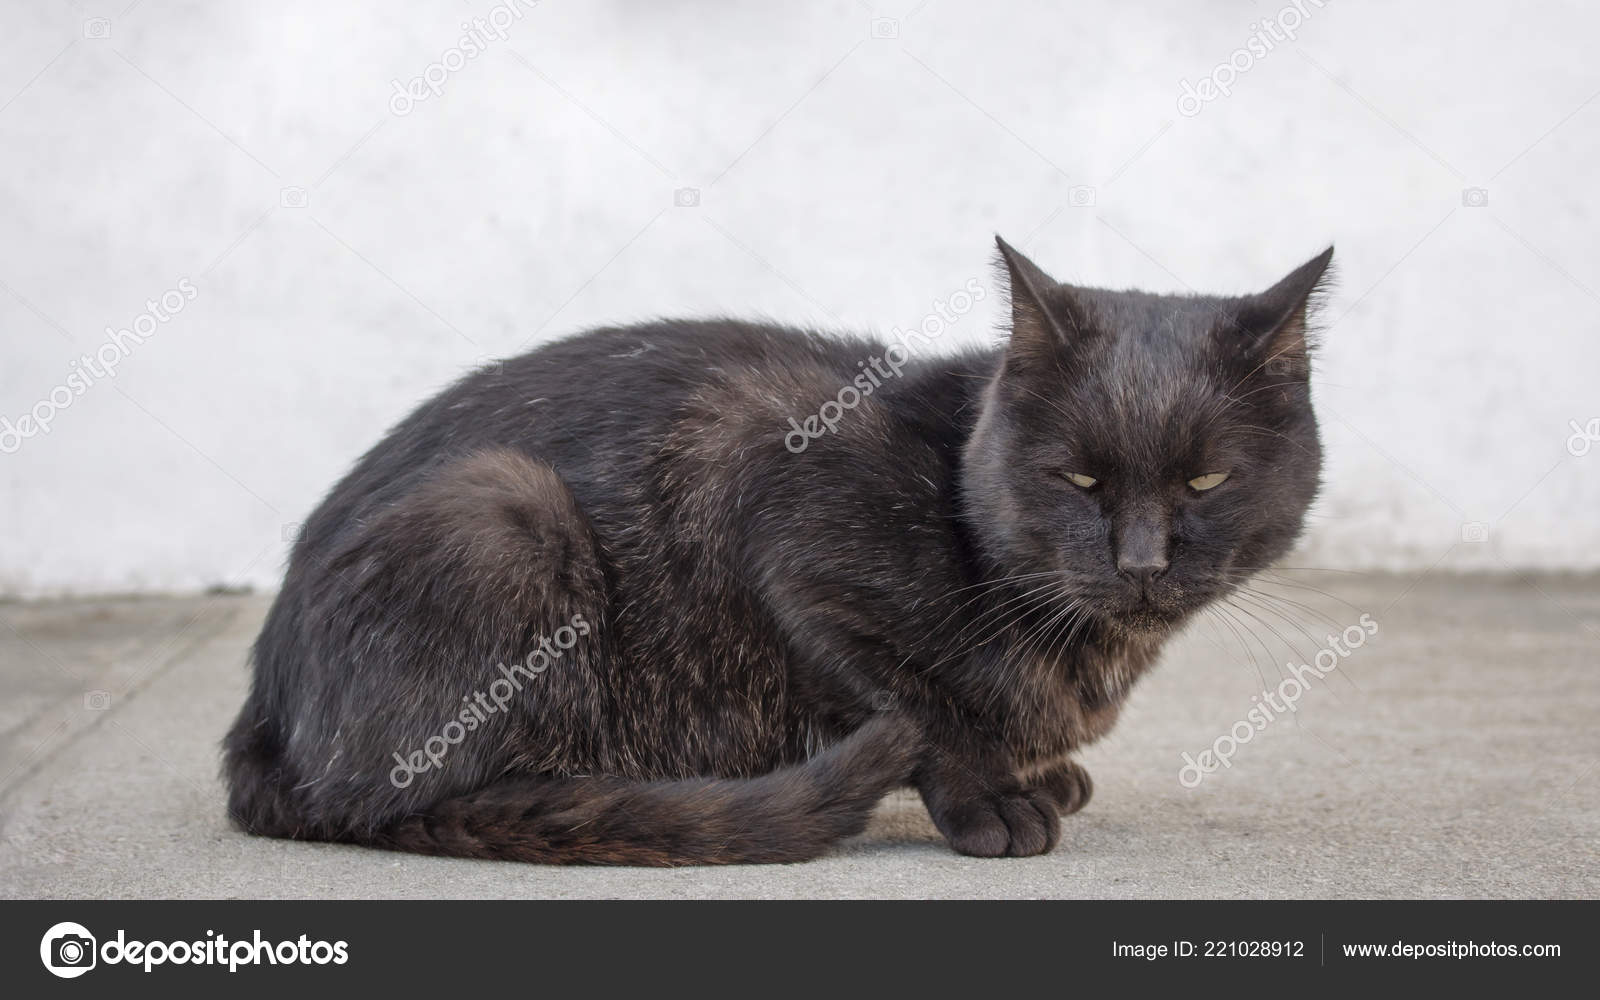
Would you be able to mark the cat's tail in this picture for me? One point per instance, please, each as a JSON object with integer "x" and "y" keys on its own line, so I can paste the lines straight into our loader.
{"x": 793, "y": 814}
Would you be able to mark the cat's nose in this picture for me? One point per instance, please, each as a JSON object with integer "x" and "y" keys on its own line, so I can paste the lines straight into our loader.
{"x": 1142, "y": 549}
{"x": 1143, "y": 571}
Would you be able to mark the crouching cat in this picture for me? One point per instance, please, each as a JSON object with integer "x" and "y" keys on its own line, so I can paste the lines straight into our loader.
{"x": 602, "y": 603}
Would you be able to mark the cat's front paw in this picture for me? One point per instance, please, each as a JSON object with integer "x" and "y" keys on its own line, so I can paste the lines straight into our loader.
{"x": 1009, "y": 825}
{"x": 1069, "y": 784}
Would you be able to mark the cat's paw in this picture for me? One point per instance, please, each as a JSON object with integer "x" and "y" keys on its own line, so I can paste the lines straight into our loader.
{"x": 1069, "y": 784}
{"x": 1014, "y": 825}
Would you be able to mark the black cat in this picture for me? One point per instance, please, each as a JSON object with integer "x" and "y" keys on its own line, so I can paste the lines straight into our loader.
{"x": 702, "y": 592}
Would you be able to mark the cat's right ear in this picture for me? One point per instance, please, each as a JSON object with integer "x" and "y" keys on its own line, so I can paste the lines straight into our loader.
{"x": 1276, "y": 323}
{"x": 1045, "y": 320}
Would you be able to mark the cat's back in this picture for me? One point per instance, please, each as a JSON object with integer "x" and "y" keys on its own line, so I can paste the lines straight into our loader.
{"x": 613, "y": 394}
{"x": 598, "y": 406}
{"x": 650, "y": 369}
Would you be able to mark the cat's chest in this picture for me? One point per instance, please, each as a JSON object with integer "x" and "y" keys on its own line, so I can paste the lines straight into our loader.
{"x": 1067, "y": 700}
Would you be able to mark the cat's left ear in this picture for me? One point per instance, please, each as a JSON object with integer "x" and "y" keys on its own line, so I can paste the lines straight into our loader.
{"x": 1276, "y": 323}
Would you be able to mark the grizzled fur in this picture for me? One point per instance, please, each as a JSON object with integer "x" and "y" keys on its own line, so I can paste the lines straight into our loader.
{"x": 775, "y": 639}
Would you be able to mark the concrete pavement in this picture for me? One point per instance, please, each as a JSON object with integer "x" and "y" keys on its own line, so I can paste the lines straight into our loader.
{"x": 1454, "y": 753}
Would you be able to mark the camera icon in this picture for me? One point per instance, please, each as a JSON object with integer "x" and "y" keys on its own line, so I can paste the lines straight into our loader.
{"x": 883, "y": 701}
{"x": 293, "y": 197}
{"x": 1474, "y": 531}
{"x": 97, "y": 27}
{"x": 1081, "y": 196}
{"x": 68, "y": 950}
{"x": 490, "y": 365}
{"x": 97, "y": 701}
{"x": 884, "y": 27}
{"x": 1475, "y": 197}
{"x": 290, "y": 530}
{"x": 686, "y": 197}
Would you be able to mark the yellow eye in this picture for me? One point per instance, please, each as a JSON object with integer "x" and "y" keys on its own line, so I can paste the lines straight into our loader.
{"x": 1207, "y": 481}
{"x": 1079, "y": 479}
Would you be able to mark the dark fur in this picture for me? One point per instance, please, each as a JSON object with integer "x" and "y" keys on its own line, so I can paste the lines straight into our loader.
{"x": 752, "y": 608}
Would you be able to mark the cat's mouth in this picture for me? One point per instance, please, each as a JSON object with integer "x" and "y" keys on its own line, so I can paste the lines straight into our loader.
{"x": 1146, "y": 618}
{"x": 1147, "y": 610}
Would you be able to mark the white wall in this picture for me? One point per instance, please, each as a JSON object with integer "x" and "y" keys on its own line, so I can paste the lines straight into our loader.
{"x": 844, "y": 180}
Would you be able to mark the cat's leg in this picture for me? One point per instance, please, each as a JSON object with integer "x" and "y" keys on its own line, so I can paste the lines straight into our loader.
{"x": 976, "y": 800}
{"x": 1068, "y": 783}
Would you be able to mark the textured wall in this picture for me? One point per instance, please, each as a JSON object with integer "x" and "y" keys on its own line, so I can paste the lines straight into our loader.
{"x": 330, "y": 262}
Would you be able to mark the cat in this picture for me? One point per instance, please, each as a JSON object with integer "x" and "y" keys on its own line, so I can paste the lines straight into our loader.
{"x": 600, "y": 603}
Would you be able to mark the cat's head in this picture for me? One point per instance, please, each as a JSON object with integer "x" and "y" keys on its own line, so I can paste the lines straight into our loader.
{"x": 1149, "y": 450}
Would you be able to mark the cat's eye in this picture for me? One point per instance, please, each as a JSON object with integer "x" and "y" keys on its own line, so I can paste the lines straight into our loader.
{"x": 1208, "y": 481}
{"x": 1080, "y": 480}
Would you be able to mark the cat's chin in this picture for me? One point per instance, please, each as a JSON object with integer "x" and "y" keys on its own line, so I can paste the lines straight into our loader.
{"x": 1144, "y": 622}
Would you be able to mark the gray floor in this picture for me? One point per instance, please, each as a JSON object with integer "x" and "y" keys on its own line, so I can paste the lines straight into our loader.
{"x": 1455, "y": 754}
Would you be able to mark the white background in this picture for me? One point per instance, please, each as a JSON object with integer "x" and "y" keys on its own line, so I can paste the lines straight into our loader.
{"x": 844, "y": 180}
